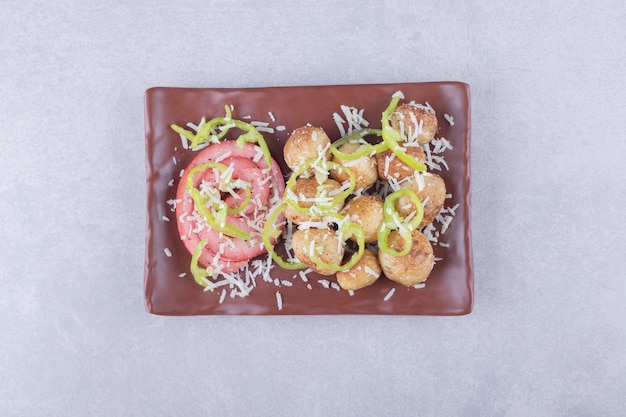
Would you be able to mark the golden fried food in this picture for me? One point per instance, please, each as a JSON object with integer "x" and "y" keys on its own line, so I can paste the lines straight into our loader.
{"x": 308, "y": 188}
{"x": 364, "y": 273}
{"x": 367, "y": 211}
{"x": 390, "y": 166}
{"x": 324, "y": 242}
{"x": 319, "y": 242}
{"x": 430, "y": 189}
{"x": 414, "y": 267}
{"x": 305, "y": 143}
{"x": 415, "y": 122}
{"x": 364, "y": 168}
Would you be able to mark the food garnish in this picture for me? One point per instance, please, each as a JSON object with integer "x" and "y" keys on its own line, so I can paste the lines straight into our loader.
{"x": 234, "y": 218}
{"x": 225, "y": 196}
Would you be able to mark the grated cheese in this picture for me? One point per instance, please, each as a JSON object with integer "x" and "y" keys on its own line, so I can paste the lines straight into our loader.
{"x": 226, "y": 127}
{"x": 354, "y": 119}
{"x": 440, "y": 160}
{"x": 339, "y": 122}
{"x": 279, "y": 300}
{"x": 223, "y": 156}
{"x": 389, "y": 294}
{"x": 303, "y": 274}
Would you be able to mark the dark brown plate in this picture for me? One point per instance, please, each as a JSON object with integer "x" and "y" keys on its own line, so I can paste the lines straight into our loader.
{"x": 448, "y": 290}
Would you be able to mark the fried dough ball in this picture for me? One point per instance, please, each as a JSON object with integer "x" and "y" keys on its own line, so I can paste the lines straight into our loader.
{"x": 364, "y": 168}
{"x": 431, "y": 190}
{"x": 308, "y": 188}
{"x": 415, "y": 266}
{"x": 367, "y": 211}
{"x": 306, "y": 142}
{"x": 406, "y": 119}
{"x": 390, "y": 166}
{"x": 364, "y": 273}
{"x": 332, "y": 252}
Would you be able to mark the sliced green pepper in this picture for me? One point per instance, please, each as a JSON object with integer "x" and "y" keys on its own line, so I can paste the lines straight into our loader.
{"x": 199, "y": 273}
{"x": 325, "y": 206}
{"x": 208, "y": 130}
{"x": 392, "y": 137}
{"x": 346, "y": 229}
{"x": 390, "y": 206}
{"x": 217, "y": 221}
{"x": 271, "y": 232}
{"x": 363, "y": 150}
{"x": 383, "y": 240}
{"x": 392, "y": 220}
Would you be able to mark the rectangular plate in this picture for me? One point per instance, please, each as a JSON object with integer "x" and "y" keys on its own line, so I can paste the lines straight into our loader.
{"x": 448, "y": 290}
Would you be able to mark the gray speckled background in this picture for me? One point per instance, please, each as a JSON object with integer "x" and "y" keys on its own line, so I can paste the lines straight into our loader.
{"x": 548, "y": 334}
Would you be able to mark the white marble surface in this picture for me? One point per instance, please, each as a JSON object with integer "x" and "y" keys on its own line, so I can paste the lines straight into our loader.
{"x": 547, "y": 336}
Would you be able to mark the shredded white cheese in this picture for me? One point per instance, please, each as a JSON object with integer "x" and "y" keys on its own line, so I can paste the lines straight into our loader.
{"x": 389, "y": 294}
{"x": 279, "y": 300}
{"x": 324, "y": 283}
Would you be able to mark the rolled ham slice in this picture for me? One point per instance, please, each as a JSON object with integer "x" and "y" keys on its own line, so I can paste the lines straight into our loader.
{"x": 222, "y": 252}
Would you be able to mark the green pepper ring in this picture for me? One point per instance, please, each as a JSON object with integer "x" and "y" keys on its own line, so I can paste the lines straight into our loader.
{"x": 333, "y": 203}
{"x": 270, "y": 232}
{"x": 364, "y": 150}
{"x": 391, "y": 137}
{"x": 346, "y": 230}
{"x": 212, "y": 220}
{"x": 392, "y": 220}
